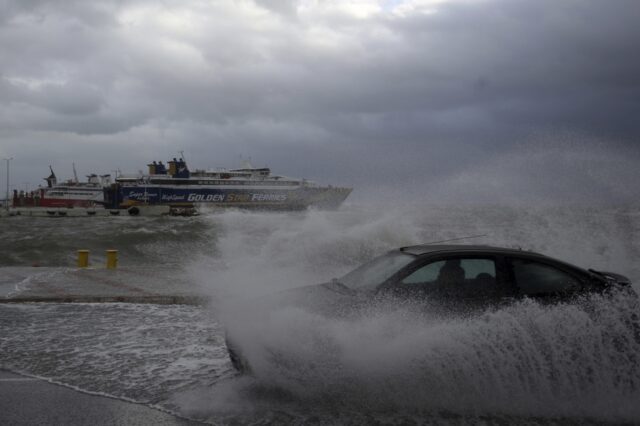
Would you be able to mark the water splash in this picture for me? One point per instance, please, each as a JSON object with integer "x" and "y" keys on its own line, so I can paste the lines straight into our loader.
{"x": 574, "y": 360}
{"x": 257, "y": 253}
{"x": 526, "y": 360}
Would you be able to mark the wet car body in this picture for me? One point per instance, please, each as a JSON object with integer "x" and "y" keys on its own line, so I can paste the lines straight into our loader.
{"x": 459, "y": 279}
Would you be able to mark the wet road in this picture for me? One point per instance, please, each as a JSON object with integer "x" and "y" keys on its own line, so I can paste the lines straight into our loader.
{"x": 29, "y": 401}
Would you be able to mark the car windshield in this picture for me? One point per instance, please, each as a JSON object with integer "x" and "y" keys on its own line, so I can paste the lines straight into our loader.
{"x": 377, "y": 271}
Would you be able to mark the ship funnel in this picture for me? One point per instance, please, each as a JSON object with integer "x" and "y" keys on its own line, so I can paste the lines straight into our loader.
{"x": 51, "y": 180}
{"x": 161, "y": 169}
{"x": 173, "y": 167}
{"x": 182, "y": 171}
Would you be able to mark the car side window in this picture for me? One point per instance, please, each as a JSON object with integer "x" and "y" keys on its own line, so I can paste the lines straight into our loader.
{"x": 535, "y": 278}
{"x": 456, "y": 274}
{"x": 426, "y": 274}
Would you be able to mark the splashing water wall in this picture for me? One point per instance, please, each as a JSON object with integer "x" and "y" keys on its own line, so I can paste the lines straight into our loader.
{"x": 528, "y": 359}
{"x": 257, "y": 252}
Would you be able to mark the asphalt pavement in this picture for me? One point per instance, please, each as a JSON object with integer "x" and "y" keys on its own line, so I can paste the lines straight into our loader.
{"x": 29, "y": 401}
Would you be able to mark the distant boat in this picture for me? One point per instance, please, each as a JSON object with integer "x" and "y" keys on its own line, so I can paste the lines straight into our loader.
{"x": 246, "y": 187}
{"x": 69, "y": 194}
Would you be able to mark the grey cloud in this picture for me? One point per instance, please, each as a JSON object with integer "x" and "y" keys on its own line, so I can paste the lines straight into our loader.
{"x": 287, "y": 8}
{"x": 411, "y": 96}
{"x": 68, "y": 98}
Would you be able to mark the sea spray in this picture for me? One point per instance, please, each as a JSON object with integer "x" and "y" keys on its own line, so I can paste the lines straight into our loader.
{"x": 527, "y": 359}
{"x": 576, "y": 359}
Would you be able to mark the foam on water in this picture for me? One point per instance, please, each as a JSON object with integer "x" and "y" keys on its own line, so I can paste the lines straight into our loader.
{"x": 142, "y": 353}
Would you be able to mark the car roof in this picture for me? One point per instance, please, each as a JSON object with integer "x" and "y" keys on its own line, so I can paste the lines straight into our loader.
{"x": 463, "y": 248}
{"x": 454, "y": 249}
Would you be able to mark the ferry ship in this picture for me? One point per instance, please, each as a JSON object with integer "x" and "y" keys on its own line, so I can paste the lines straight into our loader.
{"x": 246, "y": 187}
{"x": 69, "y": 194}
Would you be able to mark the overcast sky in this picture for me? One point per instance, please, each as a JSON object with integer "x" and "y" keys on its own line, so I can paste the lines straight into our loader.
{"x": 478, "y": 99}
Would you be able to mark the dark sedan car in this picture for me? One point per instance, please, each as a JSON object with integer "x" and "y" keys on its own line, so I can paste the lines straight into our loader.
{"x": 454, "y": 277}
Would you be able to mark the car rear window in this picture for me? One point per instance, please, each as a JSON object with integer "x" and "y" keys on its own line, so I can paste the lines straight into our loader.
{"x": 535, "y": 278}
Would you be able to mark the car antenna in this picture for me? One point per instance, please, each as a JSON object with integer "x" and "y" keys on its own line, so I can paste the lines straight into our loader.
{"x": 456, "y": 239}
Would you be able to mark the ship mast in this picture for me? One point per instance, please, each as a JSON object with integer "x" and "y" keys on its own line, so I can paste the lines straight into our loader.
{"x": 75, "y": 174}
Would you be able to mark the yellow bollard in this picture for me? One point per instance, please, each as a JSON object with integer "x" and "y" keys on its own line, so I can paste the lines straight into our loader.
{"x": 112, "y": 259}
{"x": 83, "y": 258}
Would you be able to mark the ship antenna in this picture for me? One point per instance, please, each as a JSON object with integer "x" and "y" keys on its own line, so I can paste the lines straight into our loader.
{"x": 182, "y": 156}
{"x": 75, "y": 175}
{"x": 456, "y": 239}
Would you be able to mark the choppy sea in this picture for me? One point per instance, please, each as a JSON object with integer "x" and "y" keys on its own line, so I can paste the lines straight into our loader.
{"x": 526, "y": 363}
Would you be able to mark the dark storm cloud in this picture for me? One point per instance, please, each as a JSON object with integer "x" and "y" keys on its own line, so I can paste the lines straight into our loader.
{"x": 361, "y": 86}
